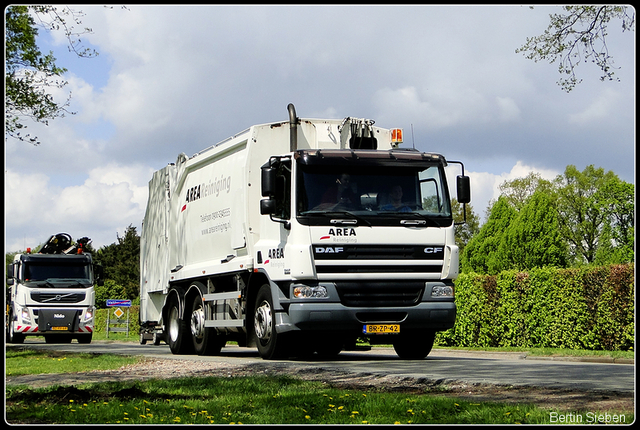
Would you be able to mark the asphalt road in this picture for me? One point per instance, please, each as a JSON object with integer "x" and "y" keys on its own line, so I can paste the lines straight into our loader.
{"x": 441, "y": 365}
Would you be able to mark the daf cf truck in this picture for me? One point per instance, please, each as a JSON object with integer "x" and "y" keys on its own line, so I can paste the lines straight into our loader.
{"x": 300, "y": 237}
{"x": 51, "y": 293}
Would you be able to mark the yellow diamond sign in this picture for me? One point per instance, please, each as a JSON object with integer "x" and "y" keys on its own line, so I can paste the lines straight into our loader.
{"x": 118, "y": 312}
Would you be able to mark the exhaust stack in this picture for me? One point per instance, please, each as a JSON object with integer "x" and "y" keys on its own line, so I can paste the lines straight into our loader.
{"x": 293, "y": 127}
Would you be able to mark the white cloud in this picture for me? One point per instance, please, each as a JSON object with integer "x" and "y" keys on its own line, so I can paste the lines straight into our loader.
{"x": 485, "y": 186}
{"x": 109, "y": 200}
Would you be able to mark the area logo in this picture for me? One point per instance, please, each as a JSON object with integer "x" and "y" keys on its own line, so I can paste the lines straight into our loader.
{"x": 342, "y": 232}
{"x": 275, "y": 254}
{"x": 212, "y": 188}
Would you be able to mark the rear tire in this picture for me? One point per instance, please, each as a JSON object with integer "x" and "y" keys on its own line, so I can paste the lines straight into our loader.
{"x": 178, "y": 334}
{"x": 271, "y": 345}
{"x": 157, "y": 338}
{"x": 206, "y": 340}
{"x": 414, "y": 345}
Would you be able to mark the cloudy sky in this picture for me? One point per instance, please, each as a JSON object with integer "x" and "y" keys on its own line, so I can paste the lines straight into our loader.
{"x": 172, "y": 79}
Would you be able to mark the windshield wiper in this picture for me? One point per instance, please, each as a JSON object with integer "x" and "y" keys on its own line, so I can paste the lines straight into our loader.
{"x": 354, "y": 218}
{"x": 47, "y": 283}
{"x": 414, "y": 219}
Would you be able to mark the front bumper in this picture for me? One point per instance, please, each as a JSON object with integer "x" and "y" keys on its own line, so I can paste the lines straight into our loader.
{"x": 436, "y": 316}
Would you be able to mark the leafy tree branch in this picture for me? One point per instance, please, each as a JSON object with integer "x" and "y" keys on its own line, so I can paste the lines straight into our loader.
{"x": 576, "y": 36}
{"x": 30, "y": 75}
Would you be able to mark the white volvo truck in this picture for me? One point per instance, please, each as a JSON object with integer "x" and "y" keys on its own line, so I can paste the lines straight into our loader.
{"x": 51, "y": 293}
{"x": 299, "y": 237}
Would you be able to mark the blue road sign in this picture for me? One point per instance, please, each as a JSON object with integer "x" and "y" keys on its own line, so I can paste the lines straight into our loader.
{"x": 115, "y": 302}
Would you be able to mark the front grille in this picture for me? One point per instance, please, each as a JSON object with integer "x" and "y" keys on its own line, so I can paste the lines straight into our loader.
{"x": 380, "y": 294}
{"x": 322, "y": 269}
{"x": 57, "y": 297}
{"x": 418, "y": 260}
{"x": 378, "y": 252}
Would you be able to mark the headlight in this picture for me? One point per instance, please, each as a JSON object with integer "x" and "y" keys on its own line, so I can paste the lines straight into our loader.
{"x": 442, "y": 291}
{"x": 306, "y": 292}
{"x": 25, "y": 315}
{"x": 88, "y": 315}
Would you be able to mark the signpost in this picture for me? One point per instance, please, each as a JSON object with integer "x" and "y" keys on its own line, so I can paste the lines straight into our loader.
{"x": 118, "y": 313}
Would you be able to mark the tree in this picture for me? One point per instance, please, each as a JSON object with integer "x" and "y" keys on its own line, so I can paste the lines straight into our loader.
{"x": 519, "y": 190}
{"x": 582, "y": 209}
{"x": 121, "y": 262}
{"x": 578, "y": 35}
{"x": 617, "y": 239}
{"x": 30, "y": 74}
{"x": 482, "y": 252}
{"x": 532, "y": 240}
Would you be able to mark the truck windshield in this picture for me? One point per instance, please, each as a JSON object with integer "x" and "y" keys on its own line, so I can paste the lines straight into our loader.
{"x": 384, "y": 195}
{"x": 73, "y": 274}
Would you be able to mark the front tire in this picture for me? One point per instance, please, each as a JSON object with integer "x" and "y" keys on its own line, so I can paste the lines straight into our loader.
{"x": 12, "y": 336}
{"x": 271, "y": 345}
{"x": 414, "y": 345}
{"x": 85, "y": 338}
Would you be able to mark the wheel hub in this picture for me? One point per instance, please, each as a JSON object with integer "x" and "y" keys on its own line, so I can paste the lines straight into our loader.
{"x": 262, "y": 322}
{"x": 197, "y": 323}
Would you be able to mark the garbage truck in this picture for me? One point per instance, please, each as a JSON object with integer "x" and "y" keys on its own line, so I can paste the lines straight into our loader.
{"x": 300, "y": 237}
{"x": 51, "y": 293}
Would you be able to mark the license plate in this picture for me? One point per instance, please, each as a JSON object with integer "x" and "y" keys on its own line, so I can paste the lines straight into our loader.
{"x": 381, "y": 328}
{"x": 60, "y": 328}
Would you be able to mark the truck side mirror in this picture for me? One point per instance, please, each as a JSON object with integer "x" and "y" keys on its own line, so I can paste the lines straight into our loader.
{"x": 267, "y": 207}
{"x": 10, "y": 272}
{"x": 464, "y": 189}
{"x": 98, "y": 272}
{"x": 268, "y": 181}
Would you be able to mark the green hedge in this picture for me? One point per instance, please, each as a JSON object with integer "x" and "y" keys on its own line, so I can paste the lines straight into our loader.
{"x": 588, "y": 308}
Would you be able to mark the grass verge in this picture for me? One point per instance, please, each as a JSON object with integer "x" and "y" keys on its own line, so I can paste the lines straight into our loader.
{"x": 249, "y": 400}
{"x": 26, "y": 361}
{"x": 235, "y": 400}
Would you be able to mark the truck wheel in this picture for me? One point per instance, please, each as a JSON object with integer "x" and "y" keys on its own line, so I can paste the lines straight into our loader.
{"x": 328, "y": 348}
{"x": 414, "y": 345}
{"x": 178, "y": 336}
{"x": 205, "y": 339}
{"x": 270, "y": 344}
{"x": 13, "y": 337}
{"x": 85, "y": 338}
{"x": 157, "y": 338}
